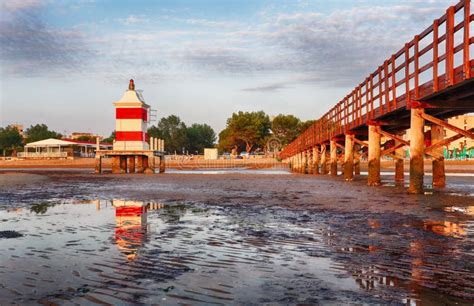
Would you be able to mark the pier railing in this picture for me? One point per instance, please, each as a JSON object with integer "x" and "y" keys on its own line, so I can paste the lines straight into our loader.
{"x": 437, "y": 58}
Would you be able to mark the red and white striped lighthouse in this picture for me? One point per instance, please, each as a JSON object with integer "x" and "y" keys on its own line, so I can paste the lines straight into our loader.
{"x": 131, "y": 121}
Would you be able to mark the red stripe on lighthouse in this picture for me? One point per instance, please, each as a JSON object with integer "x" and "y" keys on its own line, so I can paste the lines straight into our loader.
{"x": 131, "y": 113}
{"x": 130, "y": 136}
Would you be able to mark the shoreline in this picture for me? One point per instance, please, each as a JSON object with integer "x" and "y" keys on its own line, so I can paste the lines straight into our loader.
{"x": 452, "y": 166}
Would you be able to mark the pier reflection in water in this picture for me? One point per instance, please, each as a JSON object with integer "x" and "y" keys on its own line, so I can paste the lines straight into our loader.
{"x": 123, "y": 251}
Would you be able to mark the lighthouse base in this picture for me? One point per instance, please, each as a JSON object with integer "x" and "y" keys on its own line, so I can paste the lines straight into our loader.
{"x": 140, "y": 161}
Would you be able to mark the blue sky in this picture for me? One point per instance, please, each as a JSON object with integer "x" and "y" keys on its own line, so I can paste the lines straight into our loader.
{"x": 64, "y": 63}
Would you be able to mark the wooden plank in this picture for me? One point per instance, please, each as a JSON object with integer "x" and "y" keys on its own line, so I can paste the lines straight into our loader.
{"x": 446, "y": 125}
{"x": 466, "y": 58}
{"x": 394, "y": 137}
{"x": 446, "y": 141}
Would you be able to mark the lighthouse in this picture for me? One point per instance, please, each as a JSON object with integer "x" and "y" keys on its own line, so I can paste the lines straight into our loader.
{"x": 132, "y": 152}
{"x": 131, "y": 121}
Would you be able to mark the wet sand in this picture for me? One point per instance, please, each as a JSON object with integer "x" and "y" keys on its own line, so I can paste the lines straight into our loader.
{"x": 235, "y": 238}
{"x": 466, "y": 166}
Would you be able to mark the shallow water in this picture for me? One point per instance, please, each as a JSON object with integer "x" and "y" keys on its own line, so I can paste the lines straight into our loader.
{"x": 74, "y": 248}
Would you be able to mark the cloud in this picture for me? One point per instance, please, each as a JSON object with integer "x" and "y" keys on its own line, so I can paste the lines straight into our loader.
{"x": 211, "y": 23}
{"x": 14, "y": 5}
{"x": 228, "y": 60}
{"x": 132, "y": 19}
{"x": 266, "y": 88}
{"x": 30, "y": 47}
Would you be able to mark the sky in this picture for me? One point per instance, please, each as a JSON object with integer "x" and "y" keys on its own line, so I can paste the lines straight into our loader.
{"x": 64, "y": 63}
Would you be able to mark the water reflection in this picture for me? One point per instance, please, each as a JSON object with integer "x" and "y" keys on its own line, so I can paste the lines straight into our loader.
{"x": 126, "y": 252}
{"x": 131, "y": 225}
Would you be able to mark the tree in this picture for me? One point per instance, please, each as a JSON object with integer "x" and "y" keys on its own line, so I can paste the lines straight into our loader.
{"x": 40, "y": 132}
{"x": 86, "y": 138}
{"x": 109, "y": 139}
{"x": 303, "y": 126}
{"x": 200, "y": 136}
{"x": 286, "y": 128}
{"x": 10, "y": 139}
{"x": 173, "y": 131}
{"x": 251, "y": 128}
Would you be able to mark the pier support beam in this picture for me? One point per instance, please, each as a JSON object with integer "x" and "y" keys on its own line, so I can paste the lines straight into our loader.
{"x": 439, "y": 176}
{"x": 309, "y": 154}
{"x": 324, "y": 168}
{"x": 162, "y": 164}
{"x": 123, "y": 164}
{"x": 399, "y": 164}
{"x": 300, "y": 163}
{"x": 150, "y": 168}
{"x": 374, "y": 156}
{"x": 131, "y": 164}
{"x": 304, "y": 164}
{"x": 333, "y": 157}
{"x": 315, "y": 160}
{"x": 115, "y": 164}
{"x": 356, "y": 159}
{"x": 349, "y": 158}
{"x": 98, "y": 164}
{"x": 417, "y": 150}
{"x": 139, "y": 165}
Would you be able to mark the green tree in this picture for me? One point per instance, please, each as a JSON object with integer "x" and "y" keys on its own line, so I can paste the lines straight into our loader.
{"x": 286, "y": 128}
{"x": 251, "y": 128}
{"x": 173, "y": 131}
{"x": 86, "y": 138}
{"x": 40, "y": 132}
{"x": 200, "y": 136}
{"x": 109, "y": 139}
{"x": 304, "y": 125}
{"x": 10, "y": 139}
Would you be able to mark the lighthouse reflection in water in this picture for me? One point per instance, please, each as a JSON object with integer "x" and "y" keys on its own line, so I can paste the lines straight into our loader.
{"x": 131, "y": 225}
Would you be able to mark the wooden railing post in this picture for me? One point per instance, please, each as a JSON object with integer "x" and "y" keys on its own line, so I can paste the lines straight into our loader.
{"x": 450, "y": 46}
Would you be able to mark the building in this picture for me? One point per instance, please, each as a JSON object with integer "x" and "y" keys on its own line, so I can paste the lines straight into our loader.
{"x": 77, "y": 135}
{"x": 61, "y": 148}
{"x": 19, "y": 127}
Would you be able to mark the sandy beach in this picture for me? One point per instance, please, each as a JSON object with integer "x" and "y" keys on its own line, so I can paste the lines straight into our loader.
{"x": 233, "y": 238}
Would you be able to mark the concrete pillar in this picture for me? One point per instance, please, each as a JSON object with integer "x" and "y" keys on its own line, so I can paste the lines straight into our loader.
{"x": 299, "y": 162}
{"x": 349, "y": 158}
{"x": 150, "y": 169}
{"x": 97, "y": 144}
{"x": 115, "y": 164}
{"x": 139, "y": 165}
{"x": 162, "y": 164}
{"x": 374, "y": 156}
{"x": 131, "y": 164}
{"x": 324, "y": 168}
{"x": 315, "y": 160}
{"x": 152, "y": 143}
{"x": 439, "y": 176}
{"x": 310, "y": 157}
{"x": 333, "y": 157}
{"x": 98, "y": 164}
{"x": 304, "y": 165}
{"x": 356, "y": 159}
{"x": 417, "y": 151}
{"x": 399, "y": 167}
{"x": 123, "y": 164}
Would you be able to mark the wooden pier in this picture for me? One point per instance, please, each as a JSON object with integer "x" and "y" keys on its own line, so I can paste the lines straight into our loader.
{"x": 426, "y": 82}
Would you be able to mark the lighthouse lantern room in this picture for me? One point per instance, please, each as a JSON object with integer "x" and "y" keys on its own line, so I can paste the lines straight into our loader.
{"x": 131, "y": 121}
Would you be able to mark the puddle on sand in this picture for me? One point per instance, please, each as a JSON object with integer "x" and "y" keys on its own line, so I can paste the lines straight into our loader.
{"x": 116, "y": 252}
